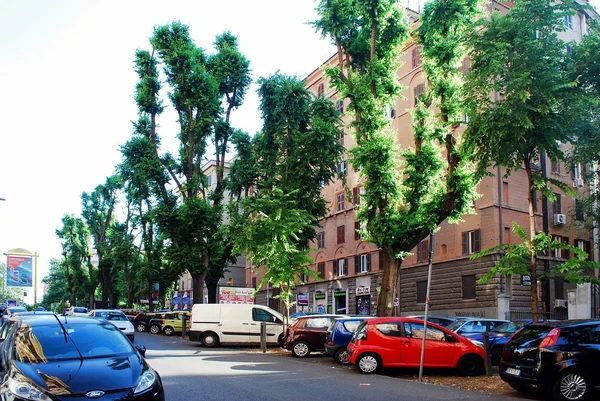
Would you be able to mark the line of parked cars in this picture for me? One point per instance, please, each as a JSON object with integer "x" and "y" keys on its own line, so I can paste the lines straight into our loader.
{"x": 168, "y": 323}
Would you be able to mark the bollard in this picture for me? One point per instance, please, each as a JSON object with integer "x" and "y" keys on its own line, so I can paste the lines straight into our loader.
{"x": 263, "y": 336}
{"x": 488, "y": 360}
{"x": 183, "y": 325}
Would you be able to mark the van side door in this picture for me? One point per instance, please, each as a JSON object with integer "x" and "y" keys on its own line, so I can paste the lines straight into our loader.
{"x": 274, "y": 326}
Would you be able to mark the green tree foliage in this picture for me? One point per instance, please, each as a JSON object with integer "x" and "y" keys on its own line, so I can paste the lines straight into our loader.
{"x": 286, "y": 164}
{"x": 74, "y": 237}
{"x": 521, "y": 97}
{"x": 56, "y": 282}
{"x": 401, "y": 205}
{"x": 204, "y": 90}
{"x": 98, "y": 212}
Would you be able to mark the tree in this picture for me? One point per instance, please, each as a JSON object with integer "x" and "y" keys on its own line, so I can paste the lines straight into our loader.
{"x": 98, "y": 212}
{"x": 56, "y": 282}
{"x": 520, "y": 58}
{"x": 74, "y": 237}
{"x": 286, "y": 164}
{"x": 204, "y": 92}
{"x": 402, "y": 206}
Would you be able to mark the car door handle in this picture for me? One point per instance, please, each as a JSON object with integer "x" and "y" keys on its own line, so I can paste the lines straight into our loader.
{"x": 245, "y": 324}
{"x": 406, "y": 342}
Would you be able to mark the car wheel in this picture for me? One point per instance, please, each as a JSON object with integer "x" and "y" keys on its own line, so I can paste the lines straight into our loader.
{"x": 301, "y": 349}
{"x": 570, "y": 386}
{"x": 209, "y": 339}
{"x": 520, "y": 388}
{"x": 496, "y": 355}
{"x": 140, "y": 328}
{"x": 168, "y": 331}
{"x": 470, "y": 365}
{"x": 280, "y": 339}
{"x": 368, "y": 363}
{"x": 154, "y": 329}
{"x": 341, "y": 356}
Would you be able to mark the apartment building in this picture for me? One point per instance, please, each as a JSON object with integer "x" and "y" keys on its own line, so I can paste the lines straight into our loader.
{"x": 350, "y": 268}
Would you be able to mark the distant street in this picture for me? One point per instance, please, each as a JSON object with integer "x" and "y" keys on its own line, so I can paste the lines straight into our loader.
{"x": 191, "y": 372}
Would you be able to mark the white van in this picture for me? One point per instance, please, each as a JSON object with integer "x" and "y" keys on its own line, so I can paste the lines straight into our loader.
{"x": 213, "y": 324}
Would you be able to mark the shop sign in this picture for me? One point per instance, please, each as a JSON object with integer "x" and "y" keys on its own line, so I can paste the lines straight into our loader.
{"x": 526, "y": 280}
{"x": 339, "y": 293}
{"x": 302, "y": 299}
{"x": 363, "y": 291}
{"x": 319, "y": 296}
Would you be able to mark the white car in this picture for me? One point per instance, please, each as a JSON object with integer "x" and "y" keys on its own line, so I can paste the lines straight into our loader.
{"x": 77, "y": 311}
{"x": 117, "y": 318}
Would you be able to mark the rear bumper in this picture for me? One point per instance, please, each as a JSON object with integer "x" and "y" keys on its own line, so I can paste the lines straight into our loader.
{"x": 332, "y": 349}
{"x": 527, "y": 377}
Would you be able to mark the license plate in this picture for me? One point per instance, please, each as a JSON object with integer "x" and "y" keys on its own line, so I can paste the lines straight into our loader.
{"x": 513, "y": 371}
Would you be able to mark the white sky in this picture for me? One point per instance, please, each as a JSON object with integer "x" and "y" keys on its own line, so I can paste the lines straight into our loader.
{"x": 67, "y": 85}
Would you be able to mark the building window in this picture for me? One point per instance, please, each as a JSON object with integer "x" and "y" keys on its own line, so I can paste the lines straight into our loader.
{"x": 362, "y": 263}
{"x": 321, "y": 90}
{"x": 321, "y": 239}
{"x": 421, "y": 291}
{"x": 342, "y": 168}
{"x": 505, "y": 193}
{"x": 569, "y": 21}
{"x": 555, "y": 166}
{"x": 340, "y": 106}
{"x": 209, "y": 180}
{"x": 583, "y": 245}
{"x": 569, "y": 49}
{"x": 341, "y": 202}
{"x": 419, "y": 91}
{"x": 390, "y": 112}
{"x": 471, "y": 242}
{"x": 468, "y": 287}
{"x": 342, "y": 267}
{"x": 559, "y": 289}
{"x": 416, "y": 57}
{"x": 579, "y": 210}
{"x": 357, "y": 235}
{"x": 558, "y": 252}
{"x": 534, "y": 196}
{"x": 321, "y": 270}
{"x": 507, "y": 235}
{"x": 254, "y": 282}
{"x": 556, "y": 206}
{"x": 422, "y": 251}
{"x": 341, "y": 137}
{"x": 357, "y": 193}
{"x": 341, "y": 234}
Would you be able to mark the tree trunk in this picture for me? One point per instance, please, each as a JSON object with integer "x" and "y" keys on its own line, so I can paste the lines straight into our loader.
{"x": 533, "y": 259}
{"x": 130, "y": 294}
{"x": 198, "y": 283}
{"x": 385, "y": 298}
{"x": 211, "y": 287}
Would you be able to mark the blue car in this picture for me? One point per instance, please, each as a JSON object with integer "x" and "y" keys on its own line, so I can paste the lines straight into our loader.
{"x": 338, "y": 336}
{"x": 499, "y": 336}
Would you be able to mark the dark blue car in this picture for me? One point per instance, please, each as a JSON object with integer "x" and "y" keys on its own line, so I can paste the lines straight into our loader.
{"x": 498, "y": 337}
{"x": 338, "y": 336}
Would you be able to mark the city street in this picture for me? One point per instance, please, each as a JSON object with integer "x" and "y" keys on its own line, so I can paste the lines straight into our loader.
{"x": 190, "y": 371}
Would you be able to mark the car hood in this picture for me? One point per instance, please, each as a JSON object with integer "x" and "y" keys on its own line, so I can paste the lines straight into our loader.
{"x": 78, "y": 376}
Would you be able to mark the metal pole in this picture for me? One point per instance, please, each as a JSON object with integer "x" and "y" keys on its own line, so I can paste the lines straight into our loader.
{"x": 431, "y": 240}
{"x": 263, "y": 336}
{"x": 35, "y": 279}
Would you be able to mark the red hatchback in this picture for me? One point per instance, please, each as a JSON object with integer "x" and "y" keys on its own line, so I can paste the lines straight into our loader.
{"x": 395, "y": 342}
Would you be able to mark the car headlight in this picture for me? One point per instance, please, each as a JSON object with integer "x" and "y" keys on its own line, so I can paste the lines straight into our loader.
{"x": 146, "y": 381}
{"x": 477, "y": 343}
{"x": 25, "y": 390}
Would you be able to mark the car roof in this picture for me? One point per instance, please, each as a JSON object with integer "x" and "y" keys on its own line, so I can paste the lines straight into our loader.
{"x": 388, "y": 319}
{"x": 106, "y": 310}
{"x": 467, "y": 319}
{"x": 564, "y": 323}
{"x": 46, "y": 319}
{"x": 350, "y": 318}
{"x": 320, "y": 316}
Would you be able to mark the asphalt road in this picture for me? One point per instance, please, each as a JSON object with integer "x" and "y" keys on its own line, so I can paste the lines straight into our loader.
{"x": 192, "y": 372}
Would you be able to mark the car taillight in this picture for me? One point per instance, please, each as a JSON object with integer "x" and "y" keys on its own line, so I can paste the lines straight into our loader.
{"x": 551, "y": 338}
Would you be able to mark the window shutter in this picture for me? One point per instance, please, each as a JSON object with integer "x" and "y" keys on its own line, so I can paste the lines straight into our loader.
{"x": 356, "y": 264}
{"x": 414, "y": 57}
{"x": 357, "y": 230}
{"x": 465, "y": 243}
{"x": 345, "y": 267}
{"x": 565, "y": 252}
{"x": 476, "y": 241}
{"x": 369, "y": 261}
{"x": 356, "y": 196}
{"x": 587, "y": 248}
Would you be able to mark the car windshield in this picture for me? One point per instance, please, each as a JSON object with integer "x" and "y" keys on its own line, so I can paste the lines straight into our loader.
{"x": 112, "y": 315}
{"x": 16, "y": 310}
{"x": 529, "y": 337}
{"x": 44, "y": 343}
{"x": 80, "y": 310}
{"x": 508, "y": 327}
{"x": 455, "y": 325}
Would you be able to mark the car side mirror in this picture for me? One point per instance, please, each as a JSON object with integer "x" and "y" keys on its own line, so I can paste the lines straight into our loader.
{"x": 449, "y": 338}
{"x": 141, "y": 349}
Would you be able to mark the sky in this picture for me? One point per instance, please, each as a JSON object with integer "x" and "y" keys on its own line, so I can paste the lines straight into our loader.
{"x": 67, "y": 85}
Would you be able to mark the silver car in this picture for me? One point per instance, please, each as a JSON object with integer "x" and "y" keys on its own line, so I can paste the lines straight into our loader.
{"x": 116, "y": 317}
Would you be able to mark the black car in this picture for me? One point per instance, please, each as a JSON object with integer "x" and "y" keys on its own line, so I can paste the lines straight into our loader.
{"x": 141, "y": 321}
{"x": 561, "y": 358}
{"x": 155, "y": 324}
{"x": 62, "y": 358}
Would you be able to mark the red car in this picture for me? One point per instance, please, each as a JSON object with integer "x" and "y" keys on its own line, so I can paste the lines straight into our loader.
{"x": 395, "y": 342}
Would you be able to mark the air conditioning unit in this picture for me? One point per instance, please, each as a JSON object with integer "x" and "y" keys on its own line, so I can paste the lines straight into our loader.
{"x": 560, "y": 219}
{"x": 560, "y": 303}
{"x": 578, "y": 182}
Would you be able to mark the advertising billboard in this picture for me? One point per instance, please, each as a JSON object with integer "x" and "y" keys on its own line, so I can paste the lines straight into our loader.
{"x": 19, "y": 271}
{"x": 236, "y": 295}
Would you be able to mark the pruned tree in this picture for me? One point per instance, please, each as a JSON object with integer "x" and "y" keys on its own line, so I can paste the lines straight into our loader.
{"x": 520, "y": 96}
{"x": 286, "y": 165}
{"x": 403, "y": 201}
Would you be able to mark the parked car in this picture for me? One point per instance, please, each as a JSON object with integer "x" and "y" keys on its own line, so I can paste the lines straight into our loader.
{"x": 8, "y": 312}
{"x": 130, "y": 313}
{"x": 77, "y": 311}
{"x": 561, "y": 358}
{"x": 474, "y": 325}
{"x": 339, "y": 334}
{"x": 395, "y": 342}
{"x": 214, "y": 324}
{"x": 62, "y": 358}
{"x": 117, "y": 318}
{"x": 498, "y": 336}
{"x": 296, "y": 315}
{"x": 307, "y": 334}
{"x": 156, "y": 322}
{"x": 141, "y": 320}
{"x": 173, "y": 322}
{"x": 439, "y": 320}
